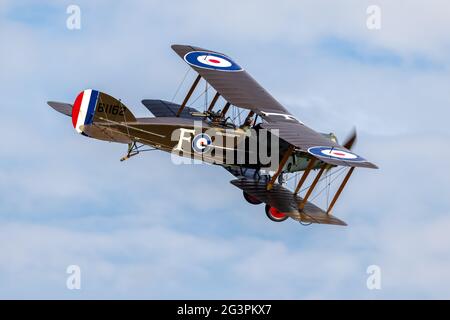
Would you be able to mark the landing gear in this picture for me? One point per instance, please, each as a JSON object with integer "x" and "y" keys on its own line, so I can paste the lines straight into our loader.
{"x": 251, "y": 199}
{"x": 134, "y": 149}
{"x": 275, "y": 215}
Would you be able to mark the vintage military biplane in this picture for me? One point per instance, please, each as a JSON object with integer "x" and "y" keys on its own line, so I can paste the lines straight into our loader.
{"x": 194, "y": 133}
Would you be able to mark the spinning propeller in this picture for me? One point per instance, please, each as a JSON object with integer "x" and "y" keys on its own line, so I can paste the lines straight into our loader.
{"x": 348, "y": 143}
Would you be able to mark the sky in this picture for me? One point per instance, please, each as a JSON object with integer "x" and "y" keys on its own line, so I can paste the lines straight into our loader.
{"x": 149, "y": 229}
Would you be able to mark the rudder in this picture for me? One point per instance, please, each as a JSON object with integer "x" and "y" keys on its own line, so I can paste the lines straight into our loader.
{"x": 92, "y": 106}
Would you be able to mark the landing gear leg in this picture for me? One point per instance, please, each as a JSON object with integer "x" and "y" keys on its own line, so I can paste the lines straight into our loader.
{"x": 132, "y": 151}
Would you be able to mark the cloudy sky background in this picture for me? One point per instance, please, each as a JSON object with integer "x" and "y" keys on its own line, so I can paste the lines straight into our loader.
{"x": 147, "y": 228}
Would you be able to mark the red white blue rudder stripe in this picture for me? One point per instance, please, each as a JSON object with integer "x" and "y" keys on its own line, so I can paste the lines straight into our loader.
{"x": 84, "y": 109}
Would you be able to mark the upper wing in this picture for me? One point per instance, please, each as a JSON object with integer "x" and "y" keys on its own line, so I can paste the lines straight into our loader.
{"x": 236, "y": 86}
{"x": 232, "y": 82}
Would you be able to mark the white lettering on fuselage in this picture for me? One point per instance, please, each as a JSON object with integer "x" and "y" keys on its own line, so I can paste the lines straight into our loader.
{"x": 183, "y": 137}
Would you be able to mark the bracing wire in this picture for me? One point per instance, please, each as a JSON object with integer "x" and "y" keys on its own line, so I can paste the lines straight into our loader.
{"x": 292, "y": 177}
{"x": 199, "y": 96}
{"x": 181, "y": 83}
{"x": 326, "y": 186}
{"x": 321, "y": 179}
{"x": 236, "y": 116}
{"x": 206, "y": 95}
{"x": 139, "y": 148}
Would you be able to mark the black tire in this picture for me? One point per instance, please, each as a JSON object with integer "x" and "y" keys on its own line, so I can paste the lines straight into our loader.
{"x": 250, "y": 199}
{"x": 271, "y": 216}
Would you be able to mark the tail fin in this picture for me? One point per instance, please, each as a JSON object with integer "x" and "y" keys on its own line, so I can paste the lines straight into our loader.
{"x": 92, "y": 106}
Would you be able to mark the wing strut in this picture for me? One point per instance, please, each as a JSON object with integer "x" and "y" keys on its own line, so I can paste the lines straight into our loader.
{"x": 194, "y": 85}
{"x": 305, "y": 174}
{"x": 338, "y": 193}
{"x": 249, "y": 116}
{"x": 225, "y": 110}
{"x": 213, "y": 102}
{"x": 285, "y": 158}
{"x": 311, "y": 188}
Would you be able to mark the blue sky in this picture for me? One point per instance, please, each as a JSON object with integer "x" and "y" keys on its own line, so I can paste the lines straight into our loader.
{"x": 147, "y": 228}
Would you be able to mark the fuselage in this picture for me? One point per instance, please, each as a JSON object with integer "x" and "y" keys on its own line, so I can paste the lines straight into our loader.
{"x": 221, "y": 144}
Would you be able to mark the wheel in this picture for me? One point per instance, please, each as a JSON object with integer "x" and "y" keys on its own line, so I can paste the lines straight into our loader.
{"x": 251, "y": 199}
{"x": 275, "y": 215}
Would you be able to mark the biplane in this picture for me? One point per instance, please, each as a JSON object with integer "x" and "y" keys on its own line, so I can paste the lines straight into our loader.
{"x": 211, "y": 135}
